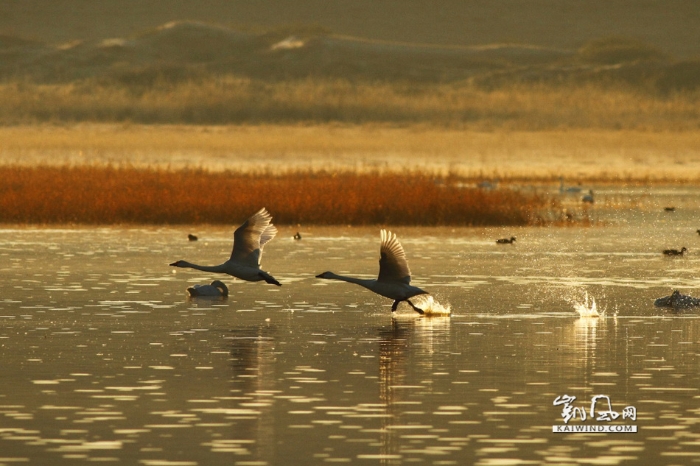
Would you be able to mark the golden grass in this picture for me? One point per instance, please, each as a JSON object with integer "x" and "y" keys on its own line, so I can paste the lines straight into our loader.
{"x": 526, "y": 156}
{"x": 104, "y": 195}
{"x": 234, "y": 100}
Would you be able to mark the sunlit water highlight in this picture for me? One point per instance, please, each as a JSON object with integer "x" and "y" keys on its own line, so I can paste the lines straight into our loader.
{"x": 431, "y": 307}
{"x": 586, "y": 309}
{"x": 105, "y": 359}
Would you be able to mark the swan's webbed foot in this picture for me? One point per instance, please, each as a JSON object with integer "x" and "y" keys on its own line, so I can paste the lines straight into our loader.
{"x": 418, "y": 310}
{"x": 395, "y": 305}
{"x": 269, "y": 279}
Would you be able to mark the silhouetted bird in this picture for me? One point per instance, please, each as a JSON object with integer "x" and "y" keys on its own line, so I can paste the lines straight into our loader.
{"x": 248, "y": 242}
{"x": 675, "y": 252}
{"x": 192, "y": 237}
{"x": 506, "y": 240}
{"x": 297, "y": 236}
{"x": 589, "y": 197}
{"x": 394, "y": 276}
{"x": 670, "y": 209}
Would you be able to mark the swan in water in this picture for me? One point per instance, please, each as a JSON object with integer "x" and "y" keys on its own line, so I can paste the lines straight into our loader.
{"x": 394, "y": 276}
{"x": 216, "y": 288}
{"x": 568, "y": 190}
{"x": 248, "y": 242}
{"x": 506, "y": 240}
{"x": 674, "y": 252}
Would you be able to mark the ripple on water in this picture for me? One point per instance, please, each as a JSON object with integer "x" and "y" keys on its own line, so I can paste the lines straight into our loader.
{"x": 354, "y": 383}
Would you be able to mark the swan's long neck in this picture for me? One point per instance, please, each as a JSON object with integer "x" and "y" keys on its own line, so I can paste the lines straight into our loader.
{"x": 367, "y": 283}
{"x": 204, "y": 268}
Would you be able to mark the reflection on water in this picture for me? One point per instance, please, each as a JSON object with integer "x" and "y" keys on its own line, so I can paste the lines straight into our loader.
{"x": 105, "y": 359}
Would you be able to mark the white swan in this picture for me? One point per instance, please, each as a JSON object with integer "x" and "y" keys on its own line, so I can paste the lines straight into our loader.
{"x": 570, "y": 189}
{"x": 216, "y": 288}
{"x": 248, "y": 242}
{"x": 394, "y": 277}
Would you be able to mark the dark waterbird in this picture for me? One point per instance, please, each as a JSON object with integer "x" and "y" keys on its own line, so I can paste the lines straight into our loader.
{"x": 677, "y": 301}
{"x": 248, "y": 242}
{"x": 506, "y": 240}
{"x": 675, "y": 252}
{"x": 192, "y": 237}
{"x": 394, "y": 276}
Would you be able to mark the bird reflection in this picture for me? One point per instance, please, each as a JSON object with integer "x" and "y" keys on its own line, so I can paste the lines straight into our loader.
{"x": 585, "y": 339}
{"x": 394, "y": 342}
{"x": 406, "y": 339}
{"x": 253, "y": 376}
{"x": 393, "y": 349}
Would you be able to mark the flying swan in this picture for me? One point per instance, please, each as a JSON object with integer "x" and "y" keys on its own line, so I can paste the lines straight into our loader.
{"x": 394, "y": 277}
{"x": 248, "y": 242}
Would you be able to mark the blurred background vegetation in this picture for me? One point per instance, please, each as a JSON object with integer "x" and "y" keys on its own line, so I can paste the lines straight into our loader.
{"x": 559, "y": 66}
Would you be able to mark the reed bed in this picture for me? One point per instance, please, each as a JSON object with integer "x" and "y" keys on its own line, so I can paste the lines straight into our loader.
{"x": 108, "y": 195}
{"x": 236, "y": 100}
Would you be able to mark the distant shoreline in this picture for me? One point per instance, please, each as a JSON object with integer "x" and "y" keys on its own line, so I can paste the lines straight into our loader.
{"x": 580, "y": 156}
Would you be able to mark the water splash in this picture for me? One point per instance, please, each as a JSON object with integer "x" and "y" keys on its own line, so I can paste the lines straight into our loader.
{"x": 586, "y": 309}
{"x": 431, "y": 307}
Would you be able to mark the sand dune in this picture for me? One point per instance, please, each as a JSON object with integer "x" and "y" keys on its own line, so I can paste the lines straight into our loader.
{"x": 190, "y": 49}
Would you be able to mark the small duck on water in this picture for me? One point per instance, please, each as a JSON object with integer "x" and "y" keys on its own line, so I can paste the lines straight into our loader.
{"x": 506, "y": 240}
{"x": 675, "y": 252}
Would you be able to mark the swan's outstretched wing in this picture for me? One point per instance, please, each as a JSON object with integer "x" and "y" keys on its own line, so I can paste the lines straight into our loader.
{"x": 392, "y": 264}
{"x": 249, "y": 238}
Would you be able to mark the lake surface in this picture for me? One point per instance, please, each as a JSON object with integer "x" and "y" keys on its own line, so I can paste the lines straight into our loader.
{"x": 105, "y": 360}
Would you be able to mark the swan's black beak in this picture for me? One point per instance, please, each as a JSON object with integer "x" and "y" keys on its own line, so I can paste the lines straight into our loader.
{"x": 321, "y": 275}
{"x": 174, "y": 264}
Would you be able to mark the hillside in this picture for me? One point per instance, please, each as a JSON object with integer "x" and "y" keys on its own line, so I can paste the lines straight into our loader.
{"x": 673, "y": 26}
{"x": 206, "y": 73}
{"x": 186, "y": 50}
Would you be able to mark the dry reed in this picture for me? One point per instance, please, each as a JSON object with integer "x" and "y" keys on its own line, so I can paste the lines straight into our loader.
{"x": 235, "y": 100}
{"x": 105, "y": 195}
{"x": 527, "y": 157}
